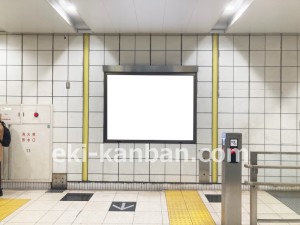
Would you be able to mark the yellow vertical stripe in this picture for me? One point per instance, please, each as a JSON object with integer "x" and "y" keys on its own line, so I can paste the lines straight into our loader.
{"x": 215, "y": 81}
{"x": 85, "y": 130}
{"x": 187, "y": 208}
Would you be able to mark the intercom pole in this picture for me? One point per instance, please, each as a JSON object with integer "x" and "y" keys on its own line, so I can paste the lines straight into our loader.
{"x": 231, "y": 179}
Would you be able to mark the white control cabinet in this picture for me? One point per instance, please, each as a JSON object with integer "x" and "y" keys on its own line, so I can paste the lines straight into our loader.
{"x": 29, "y": 156}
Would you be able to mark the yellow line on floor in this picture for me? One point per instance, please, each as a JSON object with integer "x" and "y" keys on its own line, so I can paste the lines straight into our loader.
{"x": 187, "y": 208}
{"x": 8, "y": 206}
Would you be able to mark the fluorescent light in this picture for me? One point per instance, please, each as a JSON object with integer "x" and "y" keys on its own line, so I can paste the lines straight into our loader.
{"x": 229, "y": 8}
{"x": 60, "y": 10}
{"x": 240, "y": 11}
{"x": 232, "y": 13}
{"x": 71, "y": 8}
{"x": 68, "y": 7}
{"x": 69, "y": 13}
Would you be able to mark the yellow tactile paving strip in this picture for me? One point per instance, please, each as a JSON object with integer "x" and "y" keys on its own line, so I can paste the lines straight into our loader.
{"x": 187, "y": 208}
{"x": 8, "y": 206}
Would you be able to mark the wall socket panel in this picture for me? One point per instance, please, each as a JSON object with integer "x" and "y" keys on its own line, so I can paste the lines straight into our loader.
{"x": 203, "y": 171}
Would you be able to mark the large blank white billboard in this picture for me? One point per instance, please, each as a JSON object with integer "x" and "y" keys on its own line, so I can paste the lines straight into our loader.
{"x": 150, "y": 108}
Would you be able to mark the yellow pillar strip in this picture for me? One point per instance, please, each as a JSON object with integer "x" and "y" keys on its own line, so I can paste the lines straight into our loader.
{"x": 187, "y": 208}
{"x": 215, "y": 81}
{"x": 85, "y": 129}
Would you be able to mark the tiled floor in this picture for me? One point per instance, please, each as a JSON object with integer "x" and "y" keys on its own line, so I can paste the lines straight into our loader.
{"x": 291, "y": 199}
{"x": 186, "y": 207}
{"x": 46, "y": 208}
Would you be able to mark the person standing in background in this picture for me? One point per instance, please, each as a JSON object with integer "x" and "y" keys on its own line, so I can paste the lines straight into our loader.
{"x": 1, "y": 138}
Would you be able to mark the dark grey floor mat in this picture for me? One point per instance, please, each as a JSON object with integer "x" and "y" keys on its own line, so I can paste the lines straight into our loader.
{"x": 213, "y": 198}
{"x": 77, "y": 197}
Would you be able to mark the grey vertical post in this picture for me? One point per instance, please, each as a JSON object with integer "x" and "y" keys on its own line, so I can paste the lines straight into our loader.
{"x": 253, "y": 205}
{"x": 253, "y": 189}
{"x": 231, "y": 179}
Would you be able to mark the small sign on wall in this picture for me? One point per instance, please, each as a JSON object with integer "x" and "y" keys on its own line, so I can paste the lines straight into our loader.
{"x": 233, "y": 142}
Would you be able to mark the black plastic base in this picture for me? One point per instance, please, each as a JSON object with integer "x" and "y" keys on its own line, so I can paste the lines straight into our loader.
{"x": 1, "y": 192}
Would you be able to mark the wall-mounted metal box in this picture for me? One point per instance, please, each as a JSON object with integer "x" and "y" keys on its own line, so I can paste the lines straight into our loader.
{"x": 29, "y": 157}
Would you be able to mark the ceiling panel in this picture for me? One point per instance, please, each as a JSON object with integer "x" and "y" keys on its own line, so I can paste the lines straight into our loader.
{"x": 269, "y": 16}
{"x": 205, "y": 15}
{"x": 178, "y": 14}
{"x": 95, "y": 15}
{"x": 122, "y": 15}
{"x": 113, "y": 16}
{"x": 31, "y": 16}
{"x": 150, "y": 16}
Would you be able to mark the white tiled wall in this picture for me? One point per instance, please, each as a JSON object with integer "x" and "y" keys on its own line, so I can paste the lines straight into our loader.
{"x": 150, "y": 50}
{"x": 34, "y": 69}
{"x": 259, "y": 97}
{"x": 258, "y": 94}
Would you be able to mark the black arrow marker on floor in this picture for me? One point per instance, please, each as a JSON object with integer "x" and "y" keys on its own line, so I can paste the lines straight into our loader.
{"x": 123, "y": 206}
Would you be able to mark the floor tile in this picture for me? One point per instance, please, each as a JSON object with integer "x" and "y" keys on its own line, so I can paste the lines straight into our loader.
{"x": 41, "y": 205}
{"x": 148, "y": 218}
{"x": 148, "y": 207}
{"x": 61, "y": 205}
{"x": 116, "y": 224}
{"x": 103, "y": 196}
{"x": 268, "y": 216}
{"x": 46, "y": 208}
{"x": 43, "y": 223}
{"x": 28, "y": 216}
{"x": 52, "y": 196}
{"x": 51, "y": 217}
{"x": 33, "y": 195}
{"x": 289, "y": 198}
{"x": 149, "y": 196}
{"x": 68, "y": 217}
{"x": 99, "y": 206}
{"x": 76, "y": 206}
{"x": 90, "y": 217}
{"x": 124, "y": 197}
{"x": 119, "y": 217}
{"x": 280, "y": 208}
{"x": 9, "y": 223}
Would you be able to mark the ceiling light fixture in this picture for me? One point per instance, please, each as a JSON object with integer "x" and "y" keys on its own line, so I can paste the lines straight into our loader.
{"x": 69, "y": 13}
{"x": 243, "y": 7}
{"x": 60, "y": 10}
{"x": 231, "y": 14}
